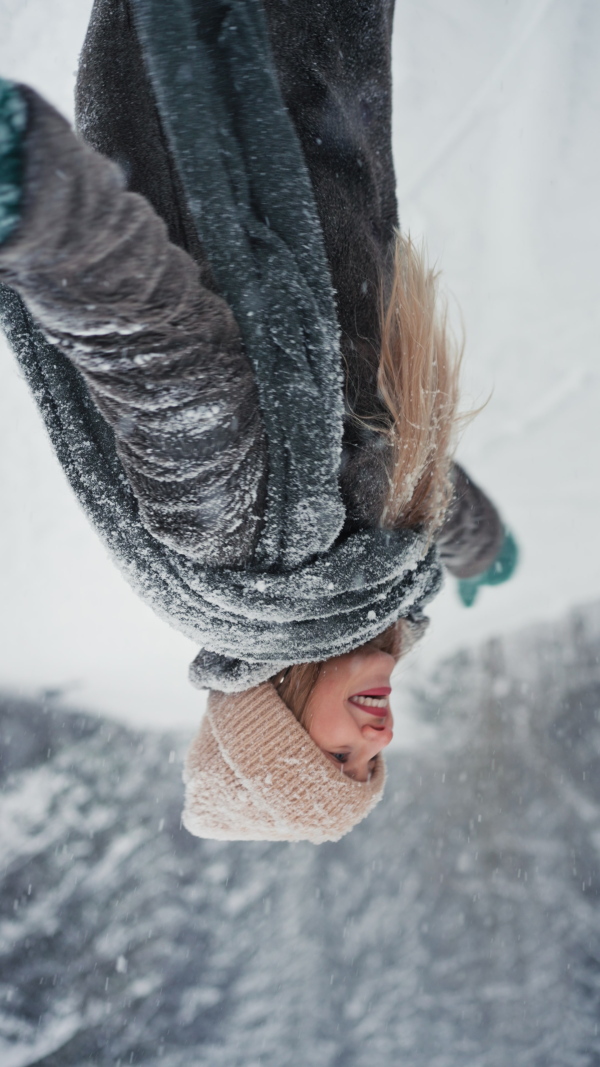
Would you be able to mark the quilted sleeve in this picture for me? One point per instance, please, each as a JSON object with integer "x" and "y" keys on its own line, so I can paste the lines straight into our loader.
{"x": 161, "y": 355}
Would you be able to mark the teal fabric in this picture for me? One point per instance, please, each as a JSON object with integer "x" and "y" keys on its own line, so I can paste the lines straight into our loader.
{"x": 13, "y": 121}
{"x": 500, "y": 571}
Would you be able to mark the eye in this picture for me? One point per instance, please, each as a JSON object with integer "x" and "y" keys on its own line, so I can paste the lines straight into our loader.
{"x": 341, "y": 757}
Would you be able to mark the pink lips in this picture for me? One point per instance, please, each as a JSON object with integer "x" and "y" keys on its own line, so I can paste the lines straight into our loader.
{"x": 381, "y": 691}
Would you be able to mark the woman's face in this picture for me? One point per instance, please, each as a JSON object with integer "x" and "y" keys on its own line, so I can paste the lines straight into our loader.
{"x": 348, "y": 713}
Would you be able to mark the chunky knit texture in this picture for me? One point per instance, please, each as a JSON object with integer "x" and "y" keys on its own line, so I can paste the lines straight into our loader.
{"x": 253, "y": 773}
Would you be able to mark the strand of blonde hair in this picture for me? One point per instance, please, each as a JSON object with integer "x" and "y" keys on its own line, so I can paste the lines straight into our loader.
{"x": 418, "y": 383}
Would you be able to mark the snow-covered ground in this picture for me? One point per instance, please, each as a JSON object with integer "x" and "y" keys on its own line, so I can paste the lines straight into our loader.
{"x": 458, "y": 926}
{"x": 496, "y": 142}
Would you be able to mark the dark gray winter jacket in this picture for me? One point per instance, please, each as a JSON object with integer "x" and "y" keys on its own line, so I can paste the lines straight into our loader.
{"x": 134, "y": 305}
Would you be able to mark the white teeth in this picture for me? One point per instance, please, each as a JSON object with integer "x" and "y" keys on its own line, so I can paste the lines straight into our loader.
{"x": 370, "y": 702}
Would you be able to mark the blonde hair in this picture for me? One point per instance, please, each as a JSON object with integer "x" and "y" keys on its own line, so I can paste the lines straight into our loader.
{"x": 417, "y": 382}
{"x": 295, "y": 684}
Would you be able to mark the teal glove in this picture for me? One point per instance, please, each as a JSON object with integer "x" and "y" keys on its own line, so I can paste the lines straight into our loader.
{"x": 500, "y": 571}
{"x": 13, "y": 120}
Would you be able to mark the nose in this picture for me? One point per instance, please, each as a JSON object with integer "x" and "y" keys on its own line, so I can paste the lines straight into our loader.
{"x": 378, "y": 737}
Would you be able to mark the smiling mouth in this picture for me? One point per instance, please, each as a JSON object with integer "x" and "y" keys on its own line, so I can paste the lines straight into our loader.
{"x": 375, "y": 701}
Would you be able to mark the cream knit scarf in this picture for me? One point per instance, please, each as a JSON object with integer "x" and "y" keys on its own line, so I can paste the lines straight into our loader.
{"x": 253, "y": 773}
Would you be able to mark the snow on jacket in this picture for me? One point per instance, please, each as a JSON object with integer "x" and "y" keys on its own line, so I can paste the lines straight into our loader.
{"x": 112, "y": 290}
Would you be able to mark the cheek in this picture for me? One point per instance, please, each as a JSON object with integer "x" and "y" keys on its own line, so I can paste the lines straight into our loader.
{"x": 325, "y": 722}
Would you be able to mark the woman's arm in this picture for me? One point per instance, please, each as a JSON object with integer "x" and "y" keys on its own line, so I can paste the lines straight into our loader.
{"x": 472, "y": 534}
{"x": 161, "y": 355}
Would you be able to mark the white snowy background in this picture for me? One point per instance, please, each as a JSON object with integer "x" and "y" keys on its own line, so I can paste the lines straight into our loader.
{"x": 496, "y": 144}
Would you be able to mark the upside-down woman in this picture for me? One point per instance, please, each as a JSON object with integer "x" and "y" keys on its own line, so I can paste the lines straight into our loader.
{"x": 247, "y": 378}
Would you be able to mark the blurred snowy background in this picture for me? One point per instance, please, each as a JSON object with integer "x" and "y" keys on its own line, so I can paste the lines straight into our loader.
{"x": 458, "y": 927}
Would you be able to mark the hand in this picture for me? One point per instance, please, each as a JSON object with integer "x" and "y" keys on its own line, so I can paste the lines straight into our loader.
{"x": 13, "y": 121}
{"x": 500, "y": 571}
